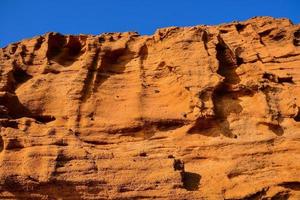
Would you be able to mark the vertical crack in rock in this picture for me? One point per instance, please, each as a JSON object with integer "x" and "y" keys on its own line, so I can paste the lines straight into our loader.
{"x": 106, "y": 62}
{"x": 272, "y": 102}
{"x": 60, "y": 161}
{"x": 111, "y": 63}
{"x": 90, "y": 77}
{"x": 205, "y": 39}
{"x": 225, "y": 96}
{"x": 88, "y": 82}
{"x": 143, "y": 53}
{"x": 225, "y": 100}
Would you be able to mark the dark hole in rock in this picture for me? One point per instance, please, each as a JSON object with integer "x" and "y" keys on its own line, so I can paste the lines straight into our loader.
{"x": 3, "y": 111}
{"x": 296, "y": 42}
{"x": 9, "y": 123}
{"x": 55, "y": 43}
{"x": 224, "y": 31}
{"x": 178, "y": 165}
{"x": 297, "y": 34}
{"x": 265, "y": 33}
{"x": 20, "y": 75}
{"x": 288, "y": 79}
{"x": 294, "y": 185}
{"x": 190, "y": 180}
{"x": 168, "y": 125}
{"x": 101, "y": 39}
{"x": 202, "y": 124}
{"x": 74, "y": 46}
{"x": 239, "y": 60}
{"x": 278, "y": 37}
{"x": 44, "y": 118}
{"x": 297, "y": 117}
{"x": 61, "y": 143}
{"x": 38, "y": 43}
{"x": 143, "y": 154}
{"x": 171, "y": 156}
{"x": 276, "y": 79}
{"x": 269, "y": 76}
{"x": 240, "y": 27}
{"x": 13, "y": 144}
{"x": 277, "y": 129}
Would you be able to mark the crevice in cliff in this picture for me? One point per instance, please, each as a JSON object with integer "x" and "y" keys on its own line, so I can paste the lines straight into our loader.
{"x": 223, "y": 96}
{"x": 284, "y": 195}
{"x": 88, "y": 83}
{"x": 8, "y": 123}
{"x": 258, "y": 195}
{"x": 112, "y": 62}
{"x": 143, "y": 53}
{"x": 90, "y": 77}
{"x": 60, "y": 161}
{"x": 20, "y": 76}
{"x": 205, "y": 39}
{"x": 227, "y": 64}
{"x": 63, "y": 50}
{"x": 293, "y": 185}
{"x": 106, "y": 62}
{"x": 44, "y": 118}
{"x": 275, "y": 115}
{"x": 39, "y": 42}
{"x": 147, "y": 128}
{"x": 56, "y": 42}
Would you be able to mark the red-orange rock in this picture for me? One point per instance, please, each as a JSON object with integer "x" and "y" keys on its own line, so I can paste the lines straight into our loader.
{"x": 204, "y": 112}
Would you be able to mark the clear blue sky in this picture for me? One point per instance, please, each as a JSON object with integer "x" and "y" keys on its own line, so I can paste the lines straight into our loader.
{"x": 26, "y": 18}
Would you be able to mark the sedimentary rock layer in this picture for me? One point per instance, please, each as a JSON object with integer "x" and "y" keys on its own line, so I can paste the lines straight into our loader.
{"x": 204, "y": 112}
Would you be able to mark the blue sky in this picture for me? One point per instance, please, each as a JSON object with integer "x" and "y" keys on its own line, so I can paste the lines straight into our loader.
{"x": 27, "y": 18}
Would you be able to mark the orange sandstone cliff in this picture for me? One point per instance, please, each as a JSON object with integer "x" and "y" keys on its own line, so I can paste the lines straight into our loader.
{"x": 204, "y": 112}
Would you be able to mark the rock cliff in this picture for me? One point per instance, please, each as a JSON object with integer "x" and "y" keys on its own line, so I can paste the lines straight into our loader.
{"x": 204, "y": 112}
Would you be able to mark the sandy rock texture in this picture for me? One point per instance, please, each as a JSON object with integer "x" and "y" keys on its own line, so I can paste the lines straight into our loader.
{"x": 204, "y": 112}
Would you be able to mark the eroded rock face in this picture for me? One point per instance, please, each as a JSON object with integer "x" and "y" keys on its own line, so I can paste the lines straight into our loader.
{"x": 206, "y": 112}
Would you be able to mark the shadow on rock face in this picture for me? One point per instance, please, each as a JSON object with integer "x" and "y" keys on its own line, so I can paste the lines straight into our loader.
{"x": 190, "y": 180}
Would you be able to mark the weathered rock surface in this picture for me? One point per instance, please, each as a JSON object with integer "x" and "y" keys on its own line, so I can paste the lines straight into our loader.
{"x": 204, "y": 112}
